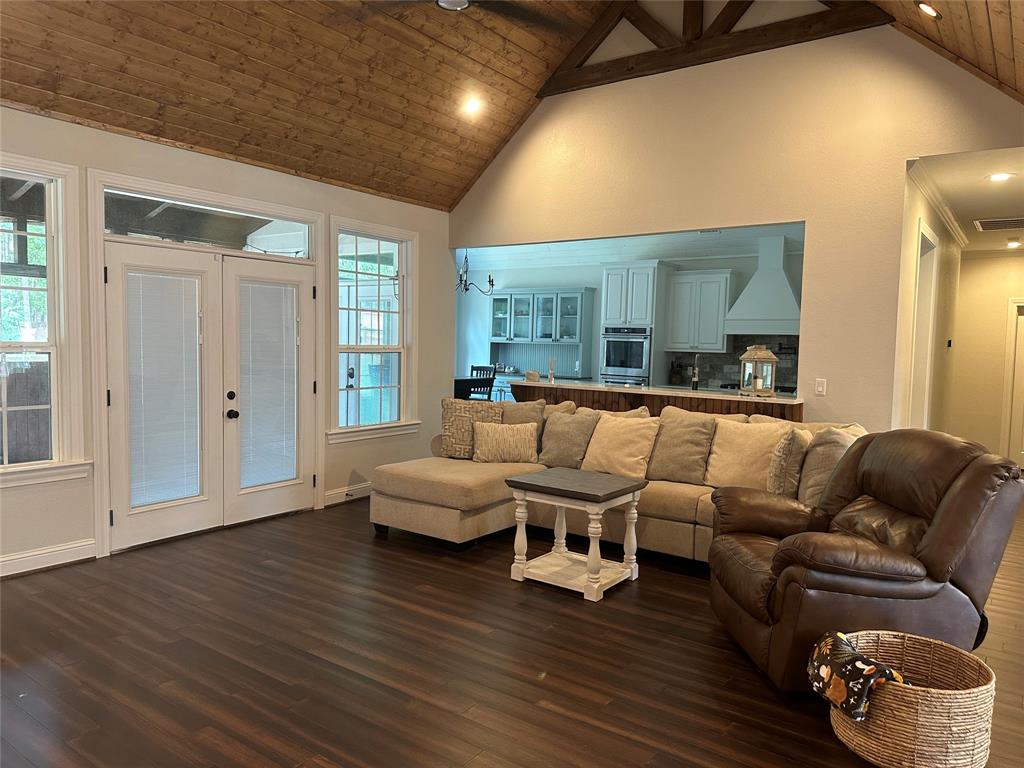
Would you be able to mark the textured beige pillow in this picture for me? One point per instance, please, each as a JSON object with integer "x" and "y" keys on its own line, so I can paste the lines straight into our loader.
{"x": 824, "y": 452}
{"x": 621, "y": 446}
{"x": 643, "y": 412}
{"x": 814, "y": 427}
{"x": 457, "y": 418}
{"x": 566, "y": 406}
{"x": 505, "y": 443}
{"x": 671, "y": 410}
{"x": 742, "y": 453}
{"x": 528, "y": 412}
{"x": 566, "y": 437}
{"x": 787, "y": 459}
{"x": 681, "y": 450}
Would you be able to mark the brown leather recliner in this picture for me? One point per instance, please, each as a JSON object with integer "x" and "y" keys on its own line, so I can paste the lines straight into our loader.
{"x": 908, "y": 536}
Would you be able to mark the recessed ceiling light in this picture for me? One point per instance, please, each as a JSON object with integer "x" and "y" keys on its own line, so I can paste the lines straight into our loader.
{"x": 453, "y": 5}
{"x": 1001, "y": 176}
{"x": 929, "y": 10}
{"x": 472, "y": 105}
{"x": 1013, "y": 242}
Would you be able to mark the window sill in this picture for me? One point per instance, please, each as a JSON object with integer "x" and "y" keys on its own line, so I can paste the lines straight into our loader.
{"x": 14, "y": 475}
{"x": 353, "y": 434}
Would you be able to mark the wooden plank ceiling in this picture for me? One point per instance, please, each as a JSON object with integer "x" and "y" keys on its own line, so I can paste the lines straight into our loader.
{"x": 984, "y": 37}
{"x": 366, "y": 95}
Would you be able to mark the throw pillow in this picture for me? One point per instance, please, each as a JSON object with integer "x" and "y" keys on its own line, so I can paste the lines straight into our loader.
{"x": 681, "y": 450}
{"x": 671, "y": 410}
{"x": 457, "y": 418}
{"x": 621, "y": 446}
{"x": 787, "y": 459}
{"x": 814, "y": 427}
{"x": 505, "y": 443}
{"x": 643, "y": 412}
{"x": 824, "y": 452}
{"x": 742, "y": 453}
{"x": 566, "y": 406}
{"x": 529, "y": 412}
{"x": 566, "y": 437}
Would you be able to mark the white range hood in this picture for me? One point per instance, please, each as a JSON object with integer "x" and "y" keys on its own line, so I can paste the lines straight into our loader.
{"x": 768, "y": 304}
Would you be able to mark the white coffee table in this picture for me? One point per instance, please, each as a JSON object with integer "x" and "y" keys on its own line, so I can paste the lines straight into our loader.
{"x": 593, "y": 492}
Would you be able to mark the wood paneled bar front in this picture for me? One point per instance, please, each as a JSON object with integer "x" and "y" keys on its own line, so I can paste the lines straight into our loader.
{"x": 617, "y": 398}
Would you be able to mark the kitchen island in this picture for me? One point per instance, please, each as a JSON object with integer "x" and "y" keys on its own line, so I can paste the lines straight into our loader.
{"x": 617, "y": 397}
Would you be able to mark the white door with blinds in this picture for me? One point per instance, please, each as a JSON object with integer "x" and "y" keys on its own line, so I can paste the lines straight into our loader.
{"x": 211, "y": 390}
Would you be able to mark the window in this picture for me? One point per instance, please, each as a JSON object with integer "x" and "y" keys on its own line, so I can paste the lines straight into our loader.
{"x": 27, "y": 335}
{"x": 155, "y": 218}
{"x": 371, "y": 336}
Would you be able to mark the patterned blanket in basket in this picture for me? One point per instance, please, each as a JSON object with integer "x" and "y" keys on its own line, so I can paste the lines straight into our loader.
{"x": 845, "y": 677}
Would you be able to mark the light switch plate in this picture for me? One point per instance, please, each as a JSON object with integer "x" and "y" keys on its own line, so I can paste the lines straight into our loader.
{"x": 820, "y": 387}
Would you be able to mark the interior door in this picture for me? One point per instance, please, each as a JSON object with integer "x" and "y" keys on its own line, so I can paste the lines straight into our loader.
{"x": 1016, "y": 447}
{"x": 164, "y": 373}
{"x": 267, "y": 400}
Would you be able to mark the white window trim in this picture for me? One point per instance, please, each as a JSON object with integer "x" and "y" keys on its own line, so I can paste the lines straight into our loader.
{"x": 96, "y": 181}
{"x": 409, "y": 422}
{"x": 67, "y": 408}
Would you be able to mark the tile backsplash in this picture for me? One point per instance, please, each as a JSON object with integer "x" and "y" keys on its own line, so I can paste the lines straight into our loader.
{"x": 717, "y": 368}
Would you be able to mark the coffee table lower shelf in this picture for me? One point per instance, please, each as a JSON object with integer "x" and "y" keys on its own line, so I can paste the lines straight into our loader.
{"x": 569, "y": 570}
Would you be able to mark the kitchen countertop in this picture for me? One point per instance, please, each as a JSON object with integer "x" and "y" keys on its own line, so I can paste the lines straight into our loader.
{"x": 666, "y": 390}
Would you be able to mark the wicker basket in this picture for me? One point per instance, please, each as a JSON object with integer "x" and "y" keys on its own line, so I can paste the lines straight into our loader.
{"x": 943, "y": 719}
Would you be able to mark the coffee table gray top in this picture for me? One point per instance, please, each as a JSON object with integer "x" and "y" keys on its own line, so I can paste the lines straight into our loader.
{"x": 576, "y": 484}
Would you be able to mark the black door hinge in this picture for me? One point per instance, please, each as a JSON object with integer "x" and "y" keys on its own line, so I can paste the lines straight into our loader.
{"x": 104, "y": 274}
{"x": 314, "y": 293}
{"x": 108, "y": 398}
{"x": 314, "y": 481}
{"x": 111, "y": 518}
{"x": 314, "y": 387}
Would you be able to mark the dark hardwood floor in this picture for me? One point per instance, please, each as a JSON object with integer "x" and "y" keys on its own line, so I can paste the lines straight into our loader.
{"x": 303, "y": 641}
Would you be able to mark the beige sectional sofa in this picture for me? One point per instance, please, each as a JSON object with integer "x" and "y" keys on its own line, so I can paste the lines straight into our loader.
{"x": 459, "y": 500}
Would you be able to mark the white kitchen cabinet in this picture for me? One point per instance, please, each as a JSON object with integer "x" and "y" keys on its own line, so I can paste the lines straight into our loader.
{"x": 521, "y": 328}
{"x": 629, "y": 294}
{"x": 615, "y": 296}
{"x": 569, "y": 325}
{"x": 501, "y": 317}
{"x": 698, "y": 302}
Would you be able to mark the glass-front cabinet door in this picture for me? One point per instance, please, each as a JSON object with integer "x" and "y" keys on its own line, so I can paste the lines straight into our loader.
{"x": 544, "y": 317}
{"x": 522, "y": 317}
{"x": 501, "y": 313}
{"x": 569, "y": 305}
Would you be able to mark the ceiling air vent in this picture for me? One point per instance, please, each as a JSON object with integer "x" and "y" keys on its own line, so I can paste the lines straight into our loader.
{"x": 999, "y": 225}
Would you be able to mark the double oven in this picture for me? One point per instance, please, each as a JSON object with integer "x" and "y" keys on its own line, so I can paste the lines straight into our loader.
{"x": 626, "y": 355}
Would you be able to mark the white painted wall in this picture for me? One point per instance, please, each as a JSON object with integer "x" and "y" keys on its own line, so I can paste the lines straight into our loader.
{"x": 37, "y": 517}
{"x": 988, "y": 280}
{"x": 819, "y": 132}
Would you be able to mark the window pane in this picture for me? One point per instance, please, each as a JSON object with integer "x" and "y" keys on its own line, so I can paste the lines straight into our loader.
{"x": 369, "y": 393}
{"x": 164, "y": 404}
{"x": 388, "y": 258}
{"x": 367, "y": 249}
{"x": 268, "y": 383}
{"x": 153, "y": 217}
{"x": 389, "y": 294}
{"x": 389, "y": 410}
{"x": 369, "y": 406}
{"x": 367, "y": 292}
{"x": 346, "y": 289}
{"x": 347, "y": 252}
{"x": 347, "y": 327}
{"x": 23, "y": 311}
{"x": 28, "y": 435}
{"x": 27, "y": 377}
{"x": 369, "y": 328}
{"x": 23, "y": 201}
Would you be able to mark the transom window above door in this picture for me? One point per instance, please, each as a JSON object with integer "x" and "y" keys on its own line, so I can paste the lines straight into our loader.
{"x": 372, "y": 341}
{"x": 154, "y": 218}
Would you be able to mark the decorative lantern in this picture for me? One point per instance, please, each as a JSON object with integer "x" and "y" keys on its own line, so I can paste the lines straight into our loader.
{"x": 757, "y": 371}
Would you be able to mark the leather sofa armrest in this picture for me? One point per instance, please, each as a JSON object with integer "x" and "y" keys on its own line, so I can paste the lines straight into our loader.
{"x": 846, "y": 555}
{"x": 749, "y": 510}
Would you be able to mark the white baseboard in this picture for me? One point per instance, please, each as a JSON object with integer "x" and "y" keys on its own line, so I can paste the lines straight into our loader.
{"x": 349, "y": 492}
{"x": 47, "y": 557}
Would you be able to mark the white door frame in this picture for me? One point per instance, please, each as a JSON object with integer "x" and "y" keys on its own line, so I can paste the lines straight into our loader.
{"x": 1009, "y": 358}
{"x": 97, "y": 180}
{"x": 924, "y": 232}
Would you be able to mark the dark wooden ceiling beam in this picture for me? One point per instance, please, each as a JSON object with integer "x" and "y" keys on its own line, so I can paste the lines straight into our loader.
{"x": 594, "y": 36}
{"x": 728, "y": 17}
{"x": 693, "y": 19}
{"x": 849, "y": 17}
{"x": 649, "y": 26}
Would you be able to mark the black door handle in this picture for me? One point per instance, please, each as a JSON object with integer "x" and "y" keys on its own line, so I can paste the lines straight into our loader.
{"x": 231, "y": 394}
{"x": 232, "y": 414}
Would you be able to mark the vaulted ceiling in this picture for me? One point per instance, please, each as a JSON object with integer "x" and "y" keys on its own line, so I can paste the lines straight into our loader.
{"x": 374, "y": 95}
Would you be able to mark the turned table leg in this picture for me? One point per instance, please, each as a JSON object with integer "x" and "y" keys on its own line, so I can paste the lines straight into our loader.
{"x": 560, "y": 547}
{"x": 592, "y": 590}
{"x": 629, "y": 543}
{"x": 519, "y": 563}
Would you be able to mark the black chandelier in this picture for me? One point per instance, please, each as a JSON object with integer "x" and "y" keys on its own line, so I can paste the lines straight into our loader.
{"x": 464, "y": 284}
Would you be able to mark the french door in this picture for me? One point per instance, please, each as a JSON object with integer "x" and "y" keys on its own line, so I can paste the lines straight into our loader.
{"x": 210, "y": 364}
